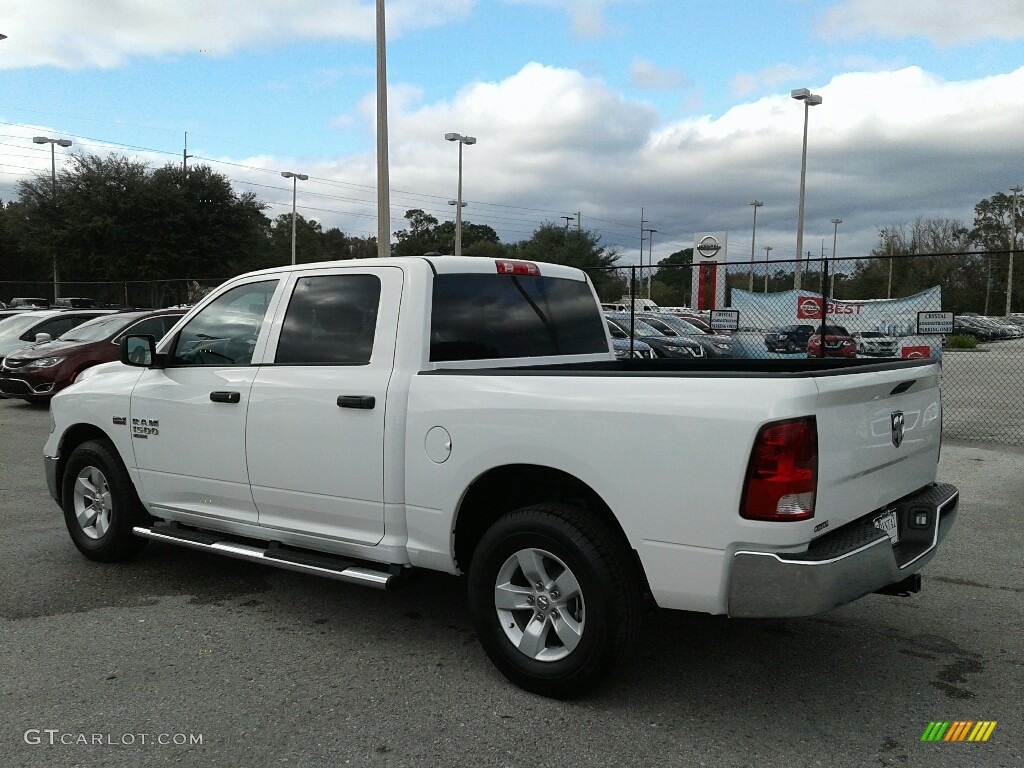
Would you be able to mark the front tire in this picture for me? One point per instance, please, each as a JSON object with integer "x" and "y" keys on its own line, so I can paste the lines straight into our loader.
{"x": 556, "y": 598}
{"x": 100, "y": 504}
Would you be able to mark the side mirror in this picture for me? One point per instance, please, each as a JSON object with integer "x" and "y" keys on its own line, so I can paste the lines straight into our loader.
{"x": 139, "y": 351}
{"x": 42, "y": 337}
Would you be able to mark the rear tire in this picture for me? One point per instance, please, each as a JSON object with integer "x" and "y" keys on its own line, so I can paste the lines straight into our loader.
{"x": 556, "y": 598}
{"x": 100, "y": 504}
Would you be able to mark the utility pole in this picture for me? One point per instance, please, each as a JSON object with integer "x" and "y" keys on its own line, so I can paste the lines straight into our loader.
{"x": 642, "y": 238}
{"x": 767, "y": 255}
{"x": 185, "y": 155}
{"x": 753, "y": 239}
{"x": 1013, "y": 247}
{"x": 567, "y": 220}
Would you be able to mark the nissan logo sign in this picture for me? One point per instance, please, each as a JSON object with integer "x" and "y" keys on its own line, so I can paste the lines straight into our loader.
{"x": 810, "y": 308}
{"x": 708, "y": 246}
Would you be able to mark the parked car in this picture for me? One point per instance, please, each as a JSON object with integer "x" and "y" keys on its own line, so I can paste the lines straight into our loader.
{"x": 875, "y": 344}
{"x": 969, "y": 326}
{"x": 29, "y": 303}
{"x": 663, "y": 346}
{"x": 39, "y": 371}
{"x": 26, "y": 328}
{"x": 78, "y": 302}
{"x": 788, "y": 338}
{"x": 673, "y": 325}
{"x": 624, "y": 350}
{"x": 838, "y": 342}
{"x": 6, "y": 313}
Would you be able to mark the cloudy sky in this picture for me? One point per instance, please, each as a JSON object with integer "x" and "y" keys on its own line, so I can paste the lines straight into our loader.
{"x": 593, "y": 106}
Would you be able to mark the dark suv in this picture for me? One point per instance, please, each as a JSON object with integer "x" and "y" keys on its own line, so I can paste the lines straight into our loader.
{"x": 788, "y": 338}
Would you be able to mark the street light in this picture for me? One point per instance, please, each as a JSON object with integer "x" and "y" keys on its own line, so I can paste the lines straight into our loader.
{"x": 810, "y": 100}
{"x": 567, "y": 220}
{"x": 295, "y": 177}
{"x": 753, "y": 239}
{"x": 835, "y": 235}
{"x": 53, "y": 179}
{"x": 889, "y": 235}
{"x": 767, "y": 253}
{"x": 1013, "y": 247}
{"x": 458, "y": 203}
{"x": 650, "y": 258}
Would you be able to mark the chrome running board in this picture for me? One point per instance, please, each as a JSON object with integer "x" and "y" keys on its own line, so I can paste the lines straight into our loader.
{"x": 301, "y": 561}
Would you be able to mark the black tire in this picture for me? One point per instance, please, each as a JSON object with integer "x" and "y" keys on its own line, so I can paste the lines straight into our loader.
{"x": 107, "y": 502}
{"x": 608, "y": 611}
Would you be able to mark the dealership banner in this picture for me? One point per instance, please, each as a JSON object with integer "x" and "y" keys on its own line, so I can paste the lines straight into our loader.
{"x": 892, "y": 317}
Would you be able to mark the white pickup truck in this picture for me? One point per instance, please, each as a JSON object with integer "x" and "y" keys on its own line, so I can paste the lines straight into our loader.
{"x": 361, "y": 419}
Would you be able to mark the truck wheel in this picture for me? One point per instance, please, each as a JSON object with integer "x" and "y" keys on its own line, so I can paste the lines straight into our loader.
{"x": 100, "y": 505}
{"x": 556, "y": 598}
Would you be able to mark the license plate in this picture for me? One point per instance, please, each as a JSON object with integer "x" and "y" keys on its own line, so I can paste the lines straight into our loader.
{"x": 887, "y": 522}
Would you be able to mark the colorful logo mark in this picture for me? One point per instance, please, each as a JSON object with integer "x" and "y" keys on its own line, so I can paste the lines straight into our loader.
{"x": 959, "y": 730}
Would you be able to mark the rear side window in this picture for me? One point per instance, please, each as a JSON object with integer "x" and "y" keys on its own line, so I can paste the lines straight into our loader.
{"x": 331, "y": 320}
{"x": 482, "y": 316}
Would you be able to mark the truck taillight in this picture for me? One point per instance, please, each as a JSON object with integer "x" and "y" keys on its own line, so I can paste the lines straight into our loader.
{"x": 506, "y": 267}
{"x": 782, "y": 477}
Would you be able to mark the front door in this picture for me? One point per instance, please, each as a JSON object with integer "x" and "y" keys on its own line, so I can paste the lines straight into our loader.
{"x": 188, "y": 419}
{"x": 315, "y": 432}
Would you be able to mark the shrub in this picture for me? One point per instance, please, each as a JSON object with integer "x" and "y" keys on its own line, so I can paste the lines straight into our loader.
{"x": 961, "y": 342}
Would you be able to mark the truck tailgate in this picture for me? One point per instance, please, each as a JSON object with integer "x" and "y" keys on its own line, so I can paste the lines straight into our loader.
{"x": 879, "y": 434}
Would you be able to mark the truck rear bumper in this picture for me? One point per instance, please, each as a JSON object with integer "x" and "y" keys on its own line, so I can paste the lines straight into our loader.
{"x": 848, "y": 563}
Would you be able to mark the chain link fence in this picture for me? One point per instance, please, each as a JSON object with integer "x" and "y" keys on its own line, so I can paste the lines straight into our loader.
{"x": 871, "y": 309}
{"x": 123, "y": 294}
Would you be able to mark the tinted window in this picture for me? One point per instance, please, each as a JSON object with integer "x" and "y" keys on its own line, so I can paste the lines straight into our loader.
{"x": 225, "y": 331}
{"x": 154, "y": 326}
{"x": 55, "y": 327}
{"x": 331, "y": 319}
{"x": 500, "y": 316}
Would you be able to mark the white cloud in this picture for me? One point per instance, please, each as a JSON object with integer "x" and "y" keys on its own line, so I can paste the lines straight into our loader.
{"x": 102, "y": 33}
{"x": 945, "y": 22}
{"x": 745, "y": 83}
{"x": 588, "y": 17}
{"x": 648, "y": 75}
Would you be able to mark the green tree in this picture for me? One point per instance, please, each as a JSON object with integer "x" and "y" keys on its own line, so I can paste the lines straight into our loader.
{"x": 671, "y": 286}
{"x": 574, "y": 248}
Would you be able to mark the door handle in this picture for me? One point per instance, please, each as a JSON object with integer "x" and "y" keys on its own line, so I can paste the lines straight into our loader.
{"x": 225, "y": 397}
{"x": 363, "y": 402}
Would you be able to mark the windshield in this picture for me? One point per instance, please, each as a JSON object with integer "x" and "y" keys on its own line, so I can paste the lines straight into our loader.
{"x": 676, "y": 324}
{"x": 14, "y": 326}
{"x": 871, "y": 335}
{"x": 99, "y": 329}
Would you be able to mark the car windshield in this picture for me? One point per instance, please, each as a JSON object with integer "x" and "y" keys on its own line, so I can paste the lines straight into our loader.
{"x": 676, "y": 324}
{"x": 14, "y": 326}
{"x": 99, "y": 329}
{"x": 640, "y": 328}
{"x": 870, "y": 335}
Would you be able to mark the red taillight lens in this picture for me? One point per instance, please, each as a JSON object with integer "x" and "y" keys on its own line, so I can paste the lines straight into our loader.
{"x": 782, "y": 477}
{"x": 506, "y": 267}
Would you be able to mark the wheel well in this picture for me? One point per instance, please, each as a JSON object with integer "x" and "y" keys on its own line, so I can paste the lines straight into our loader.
{"x": 504, "y": 489}
{"x": 74, "y": 437}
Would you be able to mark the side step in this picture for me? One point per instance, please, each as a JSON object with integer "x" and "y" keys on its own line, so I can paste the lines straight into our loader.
{"x": 300, "y": 560}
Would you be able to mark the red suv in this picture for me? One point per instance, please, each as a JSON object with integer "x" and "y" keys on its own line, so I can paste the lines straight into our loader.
{"x": 838, "y": 342}
{"x": 38, "y": 372}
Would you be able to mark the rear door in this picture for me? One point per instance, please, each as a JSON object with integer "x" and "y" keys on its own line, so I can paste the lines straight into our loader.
{"x": 315, "y": 433}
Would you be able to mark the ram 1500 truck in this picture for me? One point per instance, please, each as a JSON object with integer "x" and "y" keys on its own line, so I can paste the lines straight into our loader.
{"x": 361, "y": 419}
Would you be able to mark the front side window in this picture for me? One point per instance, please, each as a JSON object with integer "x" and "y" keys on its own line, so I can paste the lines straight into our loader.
{"x": 331, "y": 320}
{"x": 225, "y": 331}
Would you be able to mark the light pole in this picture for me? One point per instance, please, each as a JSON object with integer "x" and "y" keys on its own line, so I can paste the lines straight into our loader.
{"x": 835, "y": 234}
{"x": 461, "y": 205}
{"x": 889, "y": 235}
{"x": 295, "y": 177}
{"x": 810, "y": 100}
{"x": 1013, "y": 247}
{"x": 383, "y": 170}
{"x": 767, "y": 254}
{"x": 458, "y": 207}
{"x": 753, "y": 239}
{"x": 53, "y": 181}
{"x": 650, "y": 257}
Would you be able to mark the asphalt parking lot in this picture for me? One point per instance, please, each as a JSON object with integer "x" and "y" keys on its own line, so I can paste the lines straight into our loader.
{"x": 270, "y": 668}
